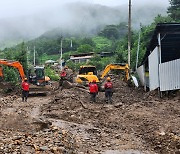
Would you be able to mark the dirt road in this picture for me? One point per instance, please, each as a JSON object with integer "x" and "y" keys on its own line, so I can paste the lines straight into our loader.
{"x": 66, "y": 122}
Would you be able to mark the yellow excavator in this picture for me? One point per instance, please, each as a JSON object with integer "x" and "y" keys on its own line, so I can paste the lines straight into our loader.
{"x": 38, "y": 81}
{"x": 87, "y": 73}
{"x": 117, "y": 66}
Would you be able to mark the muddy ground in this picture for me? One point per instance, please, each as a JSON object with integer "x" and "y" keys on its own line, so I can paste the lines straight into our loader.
{"x": 137, "y": 122}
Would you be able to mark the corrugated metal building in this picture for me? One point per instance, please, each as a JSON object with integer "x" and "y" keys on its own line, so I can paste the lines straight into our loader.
{"x": 160, "y": 67}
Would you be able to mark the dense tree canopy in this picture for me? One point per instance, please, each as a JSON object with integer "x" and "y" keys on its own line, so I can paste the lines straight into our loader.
{"x": 174, "y": 9}
{"x": 114, "y": 31}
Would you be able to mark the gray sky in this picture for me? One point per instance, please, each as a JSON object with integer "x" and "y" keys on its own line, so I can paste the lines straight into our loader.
{"x": 14, "y": 8}
{"x": 28, "y": 19}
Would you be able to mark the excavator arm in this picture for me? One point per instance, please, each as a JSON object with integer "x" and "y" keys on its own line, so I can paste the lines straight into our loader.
{"x": 109, "y": 67}
{"x": 14, "y": 64}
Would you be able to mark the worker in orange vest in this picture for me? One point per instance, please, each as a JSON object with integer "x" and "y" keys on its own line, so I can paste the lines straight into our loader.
{"x": 25, "y": 90}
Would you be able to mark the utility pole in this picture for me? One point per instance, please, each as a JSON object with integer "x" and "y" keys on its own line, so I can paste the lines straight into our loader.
{"x": 139, "y": 39}
{"x": 61, "y": 55}
{"x": 27, "y": 60}
{"x": 34, "y": 56}
{"x": 129, "y": 35}
{"x": 27, "y": 57}
{"x": 71, "y": 43}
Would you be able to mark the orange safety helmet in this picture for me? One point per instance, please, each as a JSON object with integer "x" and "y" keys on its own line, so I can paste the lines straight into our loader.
{"x": 94, "y": 81}
{"x": 108, "y": 79}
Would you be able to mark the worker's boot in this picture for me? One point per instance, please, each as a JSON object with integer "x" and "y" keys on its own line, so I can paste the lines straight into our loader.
{"x": 106, "y": 100}
{"x": 94, "y": 100}
{"x": 110, "y": 100}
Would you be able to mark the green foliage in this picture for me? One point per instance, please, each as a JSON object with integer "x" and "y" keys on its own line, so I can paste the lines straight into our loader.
{"x": 88, "y": 41}
{"x": 146, "y": 34}
{"x": 114, "y": 31}
{"x": 102, "y": 43}
{"x": 174, "y": 10}
{"x": 121, "y": 51}
{"x": 8, "y": 55}
{"x": 110, "y": 32}
{"x": 74, "y": 66}
{"x": 44, "y": 57}
{"x": 11, "y": 74}
{"x": 21, "y": 56}
{"x": 85, "y": 48}
{"x": 100, "y": 63}
{"x": 66, "y": 55}
{"x": 52, "y": 74}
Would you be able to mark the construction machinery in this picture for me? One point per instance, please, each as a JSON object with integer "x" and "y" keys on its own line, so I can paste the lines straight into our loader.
{"x": 38, "y": 81}
{"x": 118, "y": 66}
{"x": 87, "y": 73}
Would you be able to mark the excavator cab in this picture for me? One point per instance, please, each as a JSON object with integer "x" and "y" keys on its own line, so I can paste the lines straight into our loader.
{"x": 37, "y": 76}
{"x": 38, "y": 81}
{"x": 87, "y": 73}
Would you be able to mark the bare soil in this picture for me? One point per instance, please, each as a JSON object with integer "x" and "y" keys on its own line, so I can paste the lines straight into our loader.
{"x": 66, "y": 122}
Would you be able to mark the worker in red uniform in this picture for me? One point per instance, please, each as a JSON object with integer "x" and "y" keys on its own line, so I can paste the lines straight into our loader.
{"x": 25, "y": 90}
{"x": 93, "y": 88}
{"x": 63, "y": 76}
{"x": 108, "y": 86}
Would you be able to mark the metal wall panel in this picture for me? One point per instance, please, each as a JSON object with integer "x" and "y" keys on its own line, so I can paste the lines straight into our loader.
{"x": 169, "y": 75}
{"x": 141, "y": 74}
{"x": 154, "y": 69}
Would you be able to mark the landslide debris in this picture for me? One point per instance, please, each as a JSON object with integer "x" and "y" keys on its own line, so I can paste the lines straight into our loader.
{"x": 135, "y": 121}
{"x": 135, "y": 118}
{"x": 52, "y": 140}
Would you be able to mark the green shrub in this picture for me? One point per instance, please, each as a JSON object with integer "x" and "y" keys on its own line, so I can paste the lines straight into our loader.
{"x": 52, "y": 74}
{"x": 11, "y": 75}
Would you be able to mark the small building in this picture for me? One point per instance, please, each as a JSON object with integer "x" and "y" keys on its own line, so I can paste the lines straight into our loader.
{"x": 85, "y": 57}
{"x": 49, "y": 62}
{"x": 160, "y": 68}
{"x": 82, "y": 57}
{"x": 106, "y": 54}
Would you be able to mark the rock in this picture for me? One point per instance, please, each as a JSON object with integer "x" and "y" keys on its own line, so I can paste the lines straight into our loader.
{"x": 118, "y": 105}
{"x": 17, "y": 138}
{"x": 43, "y": 148}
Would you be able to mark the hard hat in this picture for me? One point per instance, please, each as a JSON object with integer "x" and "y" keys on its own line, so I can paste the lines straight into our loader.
{"x": 94, "y": 81}
{"x": 108, "y": 78}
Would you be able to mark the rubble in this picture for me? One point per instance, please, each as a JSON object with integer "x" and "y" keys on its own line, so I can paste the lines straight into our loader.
{"x": 66, "y": 122}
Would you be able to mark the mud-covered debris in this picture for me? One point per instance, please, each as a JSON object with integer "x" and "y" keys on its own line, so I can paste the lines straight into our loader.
{"x": 43, "y": 123}
{"x": 134, "y": 121}
{"x": 50, "y": 140}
